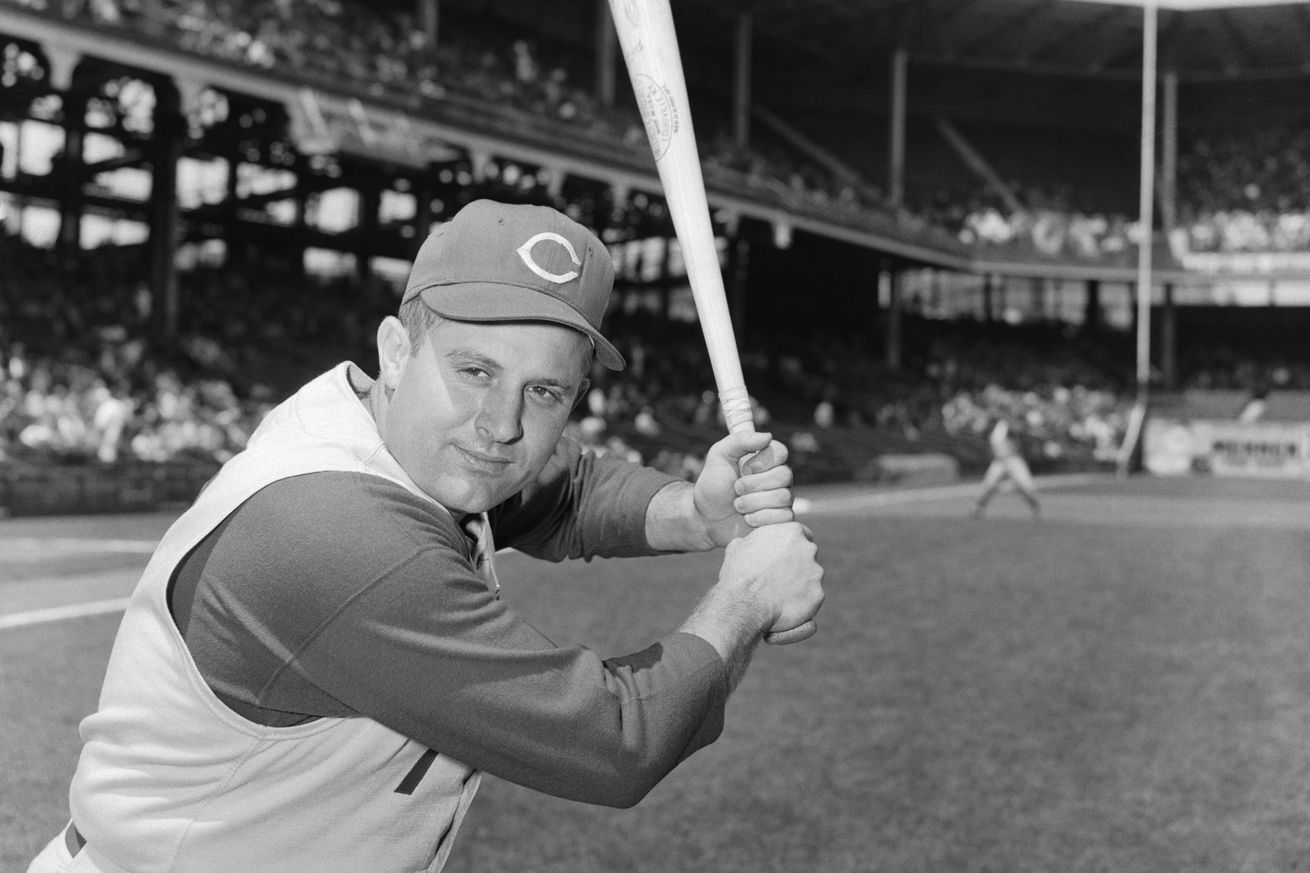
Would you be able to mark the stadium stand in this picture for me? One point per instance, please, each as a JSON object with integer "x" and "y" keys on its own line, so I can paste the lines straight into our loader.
{"x": 350, "y": 46}
{"x": 87, "y": 387}
{"x": 102, "y": 397}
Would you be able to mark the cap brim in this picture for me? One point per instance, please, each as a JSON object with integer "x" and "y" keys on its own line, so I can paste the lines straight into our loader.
{"x": 499, "y": 302}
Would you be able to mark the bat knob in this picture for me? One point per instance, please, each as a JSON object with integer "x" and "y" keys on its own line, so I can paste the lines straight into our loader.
{"x": 791, "y": 635}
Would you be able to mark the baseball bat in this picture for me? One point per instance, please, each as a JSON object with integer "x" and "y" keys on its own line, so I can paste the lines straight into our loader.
{"x": 650, "y": 49}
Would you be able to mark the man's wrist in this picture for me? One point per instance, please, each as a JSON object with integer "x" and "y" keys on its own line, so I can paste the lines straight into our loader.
{"x": 672, "y": 522}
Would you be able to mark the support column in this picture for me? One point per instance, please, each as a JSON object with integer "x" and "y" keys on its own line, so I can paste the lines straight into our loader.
{"x": 1169, "y": 339}
{"x": 165, "y": 152}
{"x": 1146, "y": 200}
{"x": 988, "y": 292}
{"x": 1169, "y": 153}
{"x": 1092, "y": 313}
{"x": 70, "y": 177}
{"x": 896, "y": 127}
{"x": 893, "y": 325}
{"x": 741, "y": 83}
{"x": 606, "y": 54}
{"x": 300, "y": 230}
{"x": 739, "y": 258}
{"x": 423, "y": 194}
{"x": 370, "y": 201}
{"x": 666, "y": 277}
{"x": 1135, "y": 305}
{"x": 233, "y": 238}
{"x": 428, "y": 13}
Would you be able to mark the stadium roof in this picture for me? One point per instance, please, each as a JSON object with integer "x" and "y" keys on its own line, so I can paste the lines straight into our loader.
{"x": 1071, "y": 37}
{"x": 816, "y": 59}
{"x": 823, "y": 58}
{"x": 1210, "y": 39}
{"x": 1189, "y": 5}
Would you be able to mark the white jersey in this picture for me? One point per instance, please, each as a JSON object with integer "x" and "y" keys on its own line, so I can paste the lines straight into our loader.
{"x": 172, "y": 780}
{"x": 1001, "y": 442}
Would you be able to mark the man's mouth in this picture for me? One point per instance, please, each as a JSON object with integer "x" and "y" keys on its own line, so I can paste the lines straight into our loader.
{"x": 484, "y": 461}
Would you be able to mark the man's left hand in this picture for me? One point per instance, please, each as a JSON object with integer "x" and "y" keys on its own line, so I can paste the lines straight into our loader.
{"x": 733, "y": 497}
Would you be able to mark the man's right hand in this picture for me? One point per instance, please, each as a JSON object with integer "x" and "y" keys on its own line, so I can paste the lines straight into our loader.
{"x": 769, "y": 582}
{"x": 775, "y": 567}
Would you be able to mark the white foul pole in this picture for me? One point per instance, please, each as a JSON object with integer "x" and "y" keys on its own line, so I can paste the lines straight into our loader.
{"x": 1146, "y": 200}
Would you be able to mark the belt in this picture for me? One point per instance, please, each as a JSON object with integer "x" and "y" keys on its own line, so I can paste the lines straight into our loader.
{"x": 73, "y": 839}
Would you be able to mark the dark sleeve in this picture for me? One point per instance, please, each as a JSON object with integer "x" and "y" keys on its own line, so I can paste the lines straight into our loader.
{"x": 376, "y": 610}
{"x": 582, "y": 505}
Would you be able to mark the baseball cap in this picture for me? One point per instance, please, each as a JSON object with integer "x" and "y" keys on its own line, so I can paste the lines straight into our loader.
{"x": 506, "y": 262}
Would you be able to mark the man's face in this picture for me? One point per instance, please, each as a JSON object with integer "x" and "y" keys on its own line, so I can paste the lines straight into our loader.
{"x": 478, "y": 410}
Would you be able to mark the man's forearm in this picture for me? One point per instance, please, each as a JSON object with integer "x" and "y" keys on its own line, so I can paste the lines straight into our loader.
{"x": 672, "y": 522}
{"x": 732, "y": 625}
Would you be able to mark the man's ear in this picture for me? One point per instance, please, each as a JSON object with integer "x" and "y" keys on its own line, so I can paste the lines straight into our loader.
{"x": 394, "y": 351}
{"x": 582, "y": 392}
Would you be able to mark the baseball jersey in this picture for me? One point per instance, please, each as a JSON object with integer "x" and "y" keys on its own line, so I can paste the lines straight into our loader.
{"x": 1001, "y": 442}
{"x": 173, "y": 778}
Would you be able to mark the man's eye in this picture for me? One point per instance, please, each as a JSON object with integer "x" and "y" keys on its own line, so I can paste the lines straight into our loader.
{"x": 473, "y": 372}
{"x": 545, "y": 394}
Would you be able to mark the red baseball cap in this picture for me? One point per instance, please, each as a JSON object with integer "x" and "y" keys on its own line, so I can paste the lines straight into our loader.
{"x": 503, "y": 262}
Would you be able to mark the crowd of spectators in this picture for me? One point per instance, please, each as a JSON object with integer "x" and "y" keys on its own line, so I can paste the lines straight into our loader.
{"x": 83, "y": 384}
{"x": 1238, "y": 190}
{"x": 482, "y": 74}
{"x": 1223, "y": 368}
{"x": 92, "y": 389}
{"x": 96, "y": 391}
{"x": 1245, "y": 190}
{"x": 121, "y": 406}
{"x": 820, "y": 383}
{"x": 1047, "y": 221}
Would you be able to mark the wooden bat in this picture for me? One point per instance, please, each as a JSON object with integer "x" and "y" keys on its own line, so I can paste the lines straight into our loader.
{"x": 650, "y": 49}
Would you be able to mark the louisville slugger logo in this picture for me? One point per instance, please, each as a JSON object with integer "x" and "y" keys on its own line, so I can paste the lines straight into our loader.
{"x": 525, "y": 252}
{"x": 658, "y": 111}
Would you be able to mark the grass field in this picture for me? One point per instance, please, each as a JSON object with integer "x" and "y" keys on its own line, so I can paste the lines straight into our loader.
{"x": 1123, "y": 686}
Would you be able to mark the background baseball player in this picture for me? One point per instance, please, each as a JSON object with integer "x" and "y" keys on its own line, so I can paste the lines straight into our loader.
{"x": 1007, "y": 465}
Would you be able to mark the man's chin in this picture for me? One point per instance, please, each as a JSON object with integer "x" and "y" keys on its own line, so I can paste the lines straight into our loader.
{"x": 470, "y": 501}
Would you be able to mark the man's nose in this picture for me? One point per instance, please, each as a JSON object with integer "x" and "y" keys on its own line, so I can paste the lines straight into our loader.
{"x": 500, "y": 416}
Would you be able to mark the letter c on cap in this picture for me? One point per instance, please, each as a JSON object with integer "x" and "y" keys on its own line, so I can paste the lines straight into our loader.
{"x": 525, "y": 252}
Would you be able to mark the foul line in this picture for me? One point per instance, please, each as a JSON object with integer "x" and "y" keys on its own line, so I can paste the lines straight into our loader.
{"x": 82, "y": 544}
{"x": 61, "y": 613}
{"x": 805, "y": 506}
{"x": 895, "y": 497}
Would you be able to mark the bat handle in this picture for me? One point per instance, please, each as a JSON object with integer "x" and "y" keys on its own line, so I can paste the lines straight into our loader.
{"x": 736, "y": 405}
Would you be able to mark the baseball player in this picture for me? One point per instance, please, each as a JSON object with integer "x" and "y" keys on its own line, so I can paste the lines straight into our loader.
{"x": 1007, "y": 465}
{"x": 316, "y": 665}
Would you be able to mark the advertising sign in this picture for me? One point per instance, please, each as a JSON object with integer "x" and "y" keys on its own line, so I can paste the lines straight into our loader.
{"x": 1177, "y": 447}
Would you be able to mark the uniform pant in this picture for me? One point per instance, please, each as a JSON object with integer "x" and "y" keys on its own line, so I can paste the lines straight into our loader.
{"x": 1015, "y": 468}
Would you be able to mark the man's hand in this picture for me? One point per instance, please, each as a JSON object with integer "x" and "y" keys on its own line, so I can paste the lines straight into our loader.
{"x": 770, "y": 582}
{"x": 732, "y": 497}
